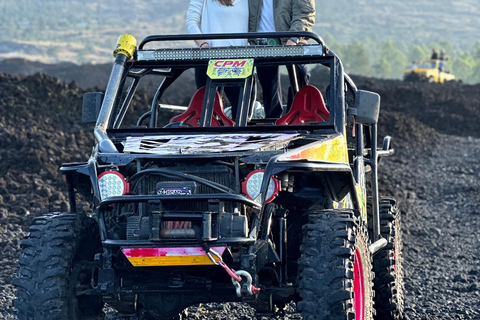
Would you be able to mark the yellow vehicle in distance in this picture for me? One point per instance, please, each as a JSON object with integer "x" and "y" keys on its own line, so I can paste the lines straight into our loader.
{"x": 428, "y": 71}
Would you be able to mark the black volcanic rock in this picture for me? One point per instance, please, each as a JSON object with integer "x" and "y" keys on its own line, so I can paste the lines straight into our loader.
{"x": 434, "y": 175}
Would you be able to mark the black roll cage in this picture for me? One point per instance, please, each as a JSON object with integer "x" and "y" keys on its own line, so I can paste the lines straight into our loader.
{"x": 172, "y": 69}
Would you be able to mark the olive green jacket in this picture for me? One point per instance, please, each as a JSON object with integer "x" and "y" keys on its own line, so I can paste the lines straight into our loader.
{"x": 288, "y": 15}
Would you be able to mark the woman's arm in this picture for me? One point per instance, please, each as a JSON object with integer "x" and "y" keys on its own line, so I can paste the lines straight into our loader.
{"x": 194, "y": 18}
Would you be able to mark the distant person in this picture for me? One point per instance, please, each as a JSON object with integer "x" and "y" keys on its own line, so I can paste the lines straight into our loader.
{"x": 413, "y": 66}
{"x": 434, "y": 54}
{"x": 443, "y": 57}
{"x": 217, "y": 16}
{"x": 279, "y": 16}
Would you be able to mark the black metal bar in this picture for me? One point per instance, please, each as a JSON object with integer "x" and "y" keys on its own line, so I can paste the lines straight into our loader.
{"x": 209, "y": 102}
{"x": 292, "y": 75}
{"x": 168, "y": 242}
{"x": 196, "y": 197}
{"x": 166, "y": 82}
{"x": 71, "y": 193}
{"x": 246, "y": 95}
{"x": 375, "y": 197}
{"x": 237, "y": 175}
{"x": 282, "y": 241}
{"x": 174, "y": 216}
{"x": 249, "y": 35}
{"x": 207, "y": 226}
{"x": 337, "y": 80}
{"x": 131, "y": 91}
{"x": 326, "y": 128}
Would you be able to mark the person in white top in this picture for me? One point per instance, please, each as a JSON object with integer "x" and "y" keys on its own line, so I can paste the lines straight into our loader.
{"x": 218, "y": 16}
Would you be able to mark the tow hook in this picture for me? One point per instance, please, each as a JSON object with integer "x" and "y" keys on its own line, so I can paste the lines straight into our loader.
{"x": 251, "y": 290}
{"x": 235, "y": 275}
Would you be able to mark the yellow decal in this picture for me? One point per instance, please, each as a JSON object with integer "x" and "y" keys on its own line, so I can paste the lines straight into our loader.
{"x": 175, "y": 256}
{"x": 334, "y": 150}
{"x": 230, "y": 68}
{"x": 170, "y": 261}
{"x": 362, "y": 202}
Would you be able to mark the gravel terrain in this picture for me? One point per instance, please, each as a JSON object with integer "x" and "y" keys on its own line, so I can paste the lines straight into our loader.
{"x": 435, "y": 176}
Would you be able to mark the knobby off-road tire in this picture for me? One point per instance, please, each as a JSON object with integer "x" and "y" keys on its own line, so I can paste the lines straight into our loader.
{"x": 56, "y": 258}
{"x": 336, "y": 279}
{"x": 387, "y": 264}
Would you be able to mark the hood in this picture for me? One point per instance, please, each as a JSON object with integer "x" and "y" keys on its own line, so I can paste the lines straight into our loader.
{"x": 207, "y": 143}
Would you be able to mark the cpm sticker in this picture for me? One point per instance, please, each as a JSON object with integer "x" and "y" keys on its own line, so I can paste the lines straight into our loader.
{"x": 230, "y": 68}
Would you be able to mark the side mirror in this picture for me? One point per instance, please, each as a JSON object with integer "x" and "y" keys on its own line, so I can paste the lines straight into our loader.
{"x": 92, "y": 102}
{"x": 367, "y": 107}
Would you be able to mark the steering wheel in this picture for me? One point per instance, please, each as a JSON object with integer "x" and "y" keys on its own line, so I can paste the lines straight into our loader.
{"x": 178, "y": 125}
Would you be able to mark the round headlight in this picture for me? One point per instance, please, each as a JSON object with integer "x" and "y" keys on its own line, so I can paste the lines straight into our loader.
{"x": 253, "y": 182}
{"x": 112, "y": 184}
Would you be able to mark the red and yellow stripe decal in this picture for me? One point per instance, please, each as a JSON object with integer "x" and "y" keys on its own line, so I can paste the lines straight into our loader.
{"x": 334, "y": 150}
{"x": 185, "y": 256}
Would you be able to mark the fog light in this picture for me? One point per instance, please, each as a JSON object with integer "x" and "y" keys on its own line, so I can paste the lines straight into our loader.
{"x": 112, "y": 184}
{"x": 253, "y": 182}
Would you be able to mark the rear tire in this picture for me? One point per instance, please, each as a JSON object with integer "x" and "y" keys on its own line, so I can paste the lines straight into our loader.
{"x": 387, "y": 264}
{"x": 56, "y": 262}
{"x": 335, "y": 268}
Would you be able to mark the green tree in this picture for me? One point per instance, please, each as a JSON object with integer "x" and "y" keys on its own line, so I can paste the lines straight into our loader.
{"x": 333, "y": 44}
{"x": 476, "y": 51}
{"x": 475, "y": 75}
{"x": 382, "y": 68}
{"x": 417, "y": 52}
{"x": 463, "y": 66}
{"x": 395, "y": 58}
{"x": 356, "y": 58}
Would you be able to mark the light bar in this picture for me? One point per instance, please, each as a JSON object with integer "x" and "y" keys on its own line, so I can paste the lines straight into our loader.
{"x": 229, "y": 53}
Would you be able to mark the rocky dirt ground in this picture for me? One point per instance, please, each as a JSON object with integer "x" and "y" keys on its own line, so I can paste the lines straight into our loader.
{"x": 435, "y": 175}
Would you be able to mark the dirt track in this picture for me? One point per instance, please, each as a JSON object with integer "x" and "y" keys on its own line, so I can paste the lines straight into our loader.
{"x": 434, "y": 174}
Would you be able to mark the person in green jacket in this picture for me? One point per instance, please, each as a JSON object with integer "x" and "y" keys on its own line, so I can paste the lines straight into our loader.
{"x": 279, "y": 16}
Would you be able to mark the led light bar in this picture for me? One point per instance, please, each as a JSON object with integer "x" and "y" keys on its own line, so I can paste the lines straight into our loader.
{"x": 229, "y": 53}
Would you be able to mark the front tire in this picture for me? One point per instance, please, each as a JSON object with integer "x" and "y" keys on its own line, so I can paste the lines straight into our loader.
{"x": 55, "y": 269}
{"x": 335, "y": 268}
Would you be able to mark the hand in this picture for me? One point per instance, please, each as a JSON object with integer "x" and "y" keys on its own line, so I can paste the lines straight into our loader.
{"x": 202, "y": 43}
{"x": 290, "y": 42}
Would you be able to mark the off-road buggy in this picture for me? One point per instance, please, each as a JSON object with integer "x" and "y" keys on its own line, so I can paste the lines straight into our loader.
{"x": 428, "y": 71}
{"x": 201, "y": 207}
